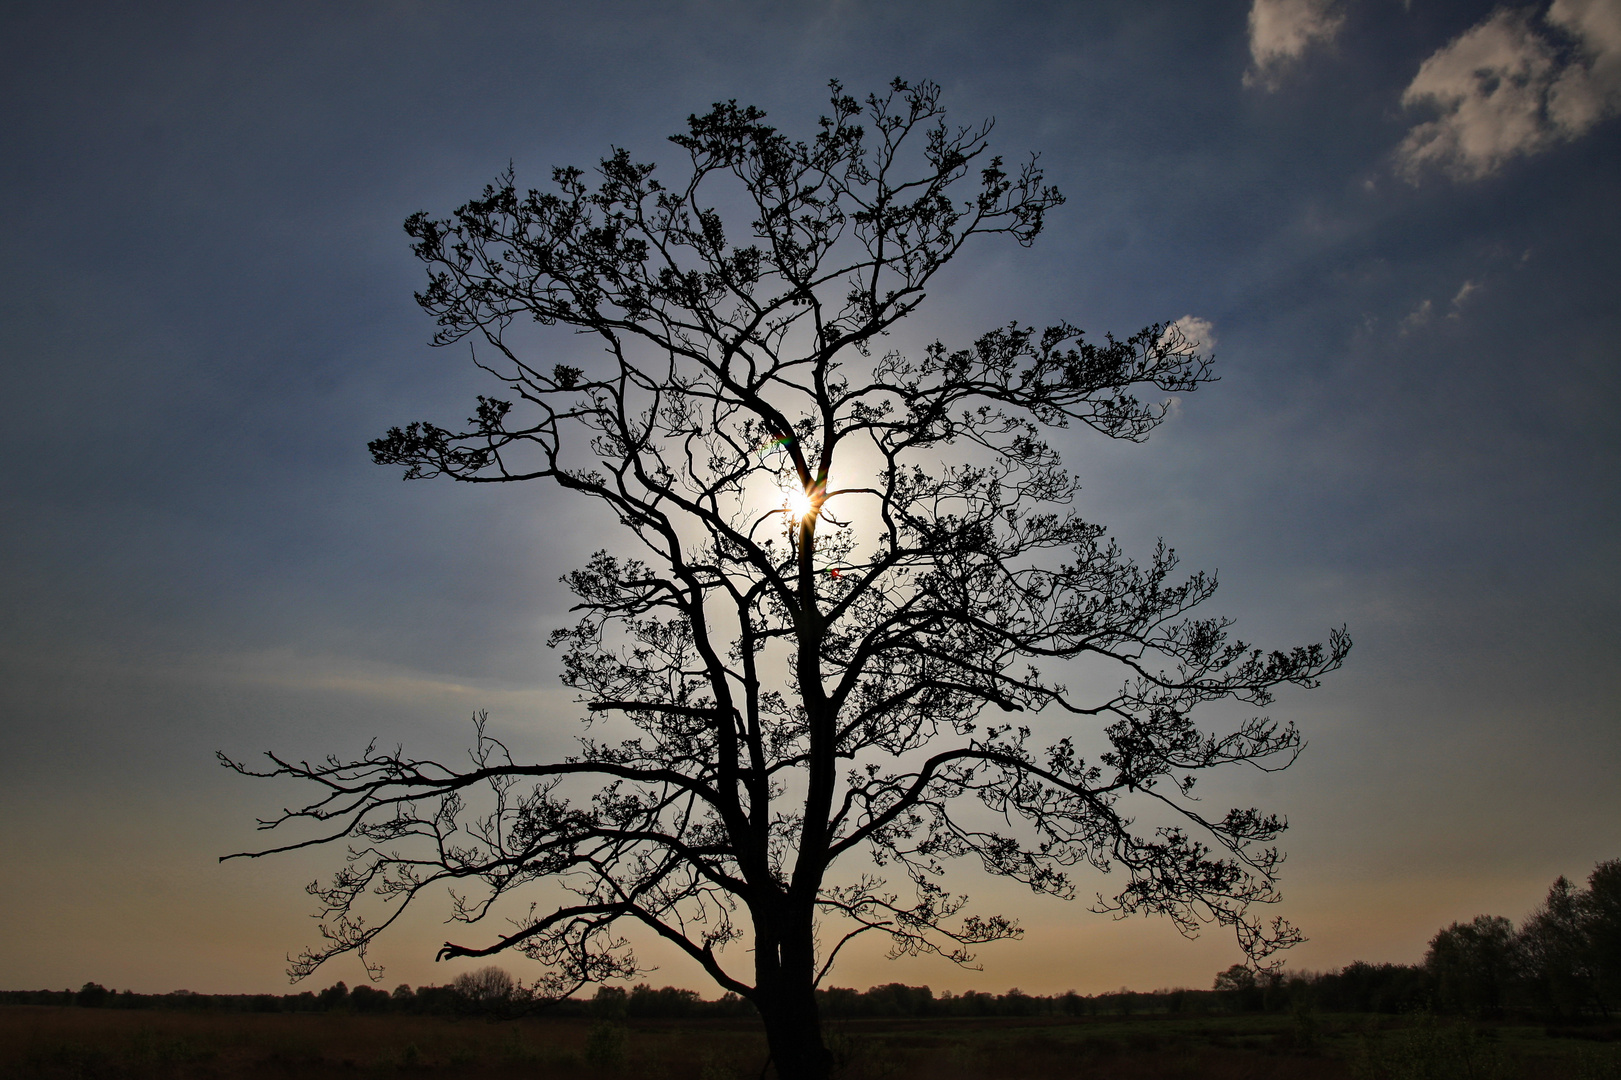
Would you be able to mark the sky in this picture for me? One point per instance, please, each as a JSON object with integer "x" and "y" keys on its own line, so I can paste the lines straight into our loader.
{"x": 1397, "y": 225}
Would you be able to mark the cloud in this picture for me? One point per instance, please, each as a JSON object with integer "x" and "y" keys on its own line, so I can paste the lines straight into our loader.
{"x": 1417, "y": 317}
{"x": 1507, "y": 87}
{"x": 1282, "y": 30}
{"x": 1464, "y": 292}
{"x": 1190, "y": 334}
{"x": 1587, "y": 91}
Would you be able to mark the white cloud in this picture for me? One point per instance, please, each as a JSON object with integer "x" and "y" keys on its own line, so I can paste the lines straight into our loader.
{"x": 1464, "y": 292}
{"x": 1489, "y": 83}
{"x": 1190, "y": 334}
{"x": 1506, "y": 87}
{"x": 1589, "y": 90}
{"x": 1282, "y": 30}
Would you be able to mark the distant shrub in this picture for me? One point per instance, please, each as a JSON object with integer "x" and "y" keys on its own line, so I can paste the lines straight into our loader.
{"x": 1432, "y": 1050}
{"x": 605, "y": 1046}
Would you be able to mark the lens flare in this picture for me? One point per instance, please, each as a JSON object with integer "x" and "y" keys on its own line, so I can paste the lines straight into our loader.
{"x": 798, "y": 502}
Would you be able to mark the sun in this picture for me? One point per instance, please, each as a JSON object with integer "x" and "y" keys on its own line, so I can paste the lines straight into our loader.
{"x": 798, "y": 502}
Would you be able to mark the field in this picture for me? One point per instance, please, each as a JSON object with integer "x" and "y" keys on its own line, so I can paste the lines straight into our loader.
{"x": 57, "y": 1043}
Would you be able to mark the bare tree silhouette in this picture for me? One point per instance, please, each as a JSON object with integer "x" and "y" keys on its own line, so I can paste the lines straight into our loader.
{"x": 837, "y": 558}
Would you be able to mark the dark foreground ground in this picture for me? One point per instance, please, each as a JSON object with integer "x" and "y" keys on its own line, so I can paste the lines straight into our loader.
{"x": 50, "y": 1043}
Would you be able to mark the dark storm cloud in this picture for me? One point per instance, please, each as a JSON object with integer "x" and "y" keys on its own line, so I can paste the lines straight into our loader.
{"x": 206, "y": 300}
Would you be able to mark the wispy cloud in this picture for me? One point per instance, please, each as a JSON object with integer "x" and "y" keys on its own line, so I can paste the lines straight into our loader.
{"x": 1280, "y": 33}
{"x": 1467, "y": 289}
{"x": 1508, "y": 86}
{"x": 1417, "y": 318}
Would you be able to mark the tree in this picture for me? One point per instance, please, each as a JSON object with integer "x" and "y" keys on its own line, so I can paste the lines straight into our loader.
{"x": 1472, "y": 964}
{"x": 1235, "y": 980}
{"x": 486, "y": 986}
{"x": 1604, "y": 930}
{"x": 843, "y": 557}
{"x": 1240, "y": 989}
{"x": 1571, "y": 945}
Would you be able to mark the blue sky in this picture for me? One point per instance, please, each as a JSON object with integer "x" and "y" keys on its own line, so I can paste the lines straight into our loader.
{"x": 1399, "y": 225}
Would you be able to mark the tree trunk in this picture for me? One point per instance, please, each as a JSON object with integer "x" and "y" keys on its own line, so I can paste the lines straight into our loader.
{"x": 793, "y": 1030}
{"x": 785, "y": 990}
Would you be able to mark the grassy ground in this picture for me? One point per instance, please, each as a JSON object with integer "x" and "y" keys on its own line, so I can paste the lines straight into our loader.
{"x": 39, "y": 1043}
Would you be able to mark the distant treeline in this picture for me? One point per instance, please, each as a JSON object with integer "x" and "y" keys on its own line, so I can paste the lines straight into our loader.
{"x": 1388, "y": 988}
{"x": 489, "y": 991}
{"x": 1563, "y": 961}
